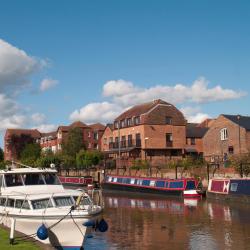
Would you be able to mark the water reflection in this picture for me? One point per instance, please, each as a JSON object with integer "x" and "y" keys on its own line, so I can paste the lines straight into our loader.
{"x": 141, "y": 222}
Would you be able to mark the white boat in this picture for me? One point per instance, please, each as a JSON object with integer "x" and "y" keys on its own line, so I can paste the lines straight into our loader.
{"x": 32, "y": 197}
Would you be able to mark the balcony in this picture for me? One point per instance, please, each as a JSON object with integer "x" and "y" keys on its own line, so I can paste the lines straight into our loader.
{"x": 169, "y": 144}
{"x": 125, "y": 144}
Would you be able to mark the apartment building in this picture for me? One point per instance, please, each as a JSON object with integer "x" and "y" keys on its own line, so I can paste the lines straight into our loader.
{"x": 154, "y": 131}
{"x": 91, "y": 135}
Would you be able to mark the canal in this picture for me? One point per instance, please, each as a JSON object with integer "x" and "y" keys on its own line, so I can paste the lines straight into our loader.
{"x": 143, "y": 222}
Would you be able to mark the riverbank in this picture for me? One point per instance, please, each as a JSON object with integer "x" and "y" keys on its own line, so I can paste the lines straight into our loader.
{"x": 30, "y": 244}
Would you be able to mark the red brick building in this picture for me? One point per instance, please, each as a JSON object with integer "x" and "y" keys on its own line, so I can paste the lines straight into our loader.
{"x": 154, "y": 131}
{"x": 53, "y": 141}
{"x": 228, "y": 135}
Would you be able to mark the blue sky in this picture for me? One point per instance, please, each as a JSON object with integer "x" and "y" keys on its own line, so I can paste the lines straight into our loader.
{"x": 68, "y": 60}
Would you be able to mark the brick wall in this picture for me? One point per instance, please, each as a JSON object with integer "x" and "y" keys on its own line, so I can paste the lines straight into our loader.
{"x": 213, "y": 145}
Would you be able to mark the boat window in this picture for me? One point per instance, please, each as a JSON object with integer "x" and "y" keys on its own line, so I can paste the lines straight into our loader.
{"x": 119, "y": 180}
{"x": 124, "y": 180}
{"x": 234, "y": 187}
{"x": 152, "y": 183}
{"x": 145, "y": 182}
{"x": 160, "y": 184}
{"x": 127, "y": 180}
{"x": 63, "y": 201}
{"x": 115, "y": 179}
{"x": 132, "y": 181}
{"x": 12, "y": 180}
{"x": 109, "y": 179}
{"x": 41, "y": 204}
{"x": 22, "y": 204}
{"x": 166, "y": 184}
{"x": 139, "y": 182}
{"x": 10, "y": 202}
{"x": 176, "y": 184}
{"x": 190, "y": 185}
{"x": 2, "y": 201}
{"x": 33, "y": 179}
{"x": 51, "y": 179}
{"x": 85, "y": 200}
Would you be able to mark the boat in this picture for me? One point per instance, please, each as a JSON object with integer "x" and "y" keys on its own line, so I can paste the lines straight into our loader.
{"x": 76, "y": 181}
{"x": 34, "y": 199}
{"x": 229, "y": 189}
{"x": 185, "y": 187}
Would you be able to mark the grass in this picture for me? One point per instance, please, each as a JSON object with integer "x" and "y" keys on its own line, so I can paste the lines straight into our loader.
{"x": 18, "y": 245}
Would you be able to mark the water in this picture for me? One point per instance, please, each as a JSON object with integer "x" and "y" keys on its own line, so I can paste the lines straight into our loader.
{"x": 142, "y": 222}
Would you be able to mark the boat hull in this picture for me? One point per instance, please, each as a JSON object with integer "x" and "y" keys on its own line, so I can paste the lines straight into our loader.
{"x": 66, "y": 234}
{"x": 136, "y": 189}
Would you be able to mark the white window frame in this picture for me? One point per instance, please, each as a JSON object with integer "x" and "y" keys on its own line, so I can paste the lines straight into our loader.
{"x": 223, "y": 134}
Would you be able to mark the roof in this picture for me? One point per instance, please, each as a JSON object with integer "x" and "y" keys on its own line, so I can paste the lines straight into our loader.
{"x": 33, "y": 132}
{"x": 193, "y": 131}
{"x": 97, "y": 126}
{"x": 77, "y": 124}
{"x": 243, "y": 121}
{"x": 140, "y": 109}
{"x": 53, "y": 134}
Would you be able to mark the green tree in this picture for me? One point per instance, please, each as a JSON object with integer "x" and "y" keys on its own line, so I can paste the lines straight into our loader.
{"x": 74, "y": 142}
{"x": 88, "y": 158}
{"x": 30, "y": 154}
{"x": 1, "y": 155}
{"x": 241, "y": 164}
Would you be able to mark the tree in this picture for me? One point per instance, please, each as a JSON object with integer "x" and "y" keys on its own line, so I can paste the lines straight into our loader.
{"x": 88, "y": 158}
{"x": 74, "y": 142}
{"x": 18, "y": 143}
{"x": 1, "y": 155}
{"x": 139, "y": 164}
{"x": 241, "y": 164}
{"x": 30, "y": 154}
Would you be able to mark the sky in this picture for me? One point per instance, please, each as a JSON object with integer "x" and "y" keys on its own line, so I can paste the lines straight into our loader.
{"x": 62, "y": 61}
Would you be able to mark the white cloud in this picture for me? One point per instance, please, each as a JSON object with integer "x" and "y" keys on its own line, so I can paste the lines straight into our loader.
{"x": 38, "y": 118}
{"x": 194, "y": 114}
{"x": 93, "y": 112}
{"x": 47, "y": 83}
{"x": 44, "y": 128}
{"x": 123, "y": 94}
{"x": 16, "y": 67}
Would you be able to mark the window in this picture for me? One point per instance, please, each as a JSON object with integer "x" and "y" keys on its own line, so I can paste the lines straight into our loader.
{"x": 230, "y": 149}
{"x": 12, "y": 180}
{"x": 10, "y": 203}
{"x": 129, "y": 140}
{"x": 2, "y": 201}
{"x": 193, "y": 141}
{"x": 105, "y": 141}
{"x": 223, "y": 134}
{"x": 95, "y": 135}
{"x": 51, "y": 179}
{"x": 1, "y": 181}
{"x": 168, "y": 120}
{"x": 41, "y": 204}
{"x": 190, "y": 185}
{"x": 129, "y": 121}
{"x": 59, "y": 135}
{"x": 137, "y": 120}
{"x": 33, "y": 179}
{"x": 145, "y": 182}
{"x": 110, "y": 139}
{"x": 169, "y": 137}
{"x": 234, "y": 187}
{"x": 138, "y": 140}
{"x": 63, "y": 201}
{"x": 122, "y": 123}
{"x": 160, "y": 184}
{"x": 123, "y": 141}
{"x": 116, "y": 124}
{"x": 22, "y": 204}
{"x": 89, "y": 134}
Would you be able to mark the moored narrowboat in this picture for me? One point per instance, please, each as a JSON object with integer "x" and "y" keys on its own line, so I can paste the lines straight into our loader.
{"x": 186, "y": 187}
{"x": 230, "y": 189}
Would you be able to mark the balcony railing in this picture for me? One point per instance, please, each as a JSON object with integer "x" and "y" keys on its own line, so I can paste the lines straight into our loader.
{"x": 125, "y": 144}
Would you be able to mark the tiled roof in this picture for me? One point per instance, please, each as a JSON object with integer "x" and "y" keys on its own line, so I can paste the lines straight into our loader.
{"x": 140, "y": 109}
{"x": 33, "y": 132}
{"x": 97, "y": 126}
{"x": 53, "y": 134}
{"x": 193, "y": 131}
{"x": 243, "y": 121}
{"x": 78, "y": 124}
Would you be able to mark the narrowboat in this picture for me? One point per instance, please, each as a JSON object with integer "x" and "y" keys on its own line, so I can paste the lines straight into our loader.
{"x": 230, "y": 189}
{"x": 185, "y": 187}
{"x": 76, "y": 181}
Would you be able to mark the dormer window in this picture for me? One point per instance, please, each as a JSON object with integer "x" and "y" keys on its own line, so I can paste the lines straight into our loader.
{"x": 116, "y": 124}
{"x": 129, "y": 121}
{"x": 223, "y": 134}
{"x": 122, "y": 123}
{"x": 137, "y": 120}
{"x": 168, "y": 120}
